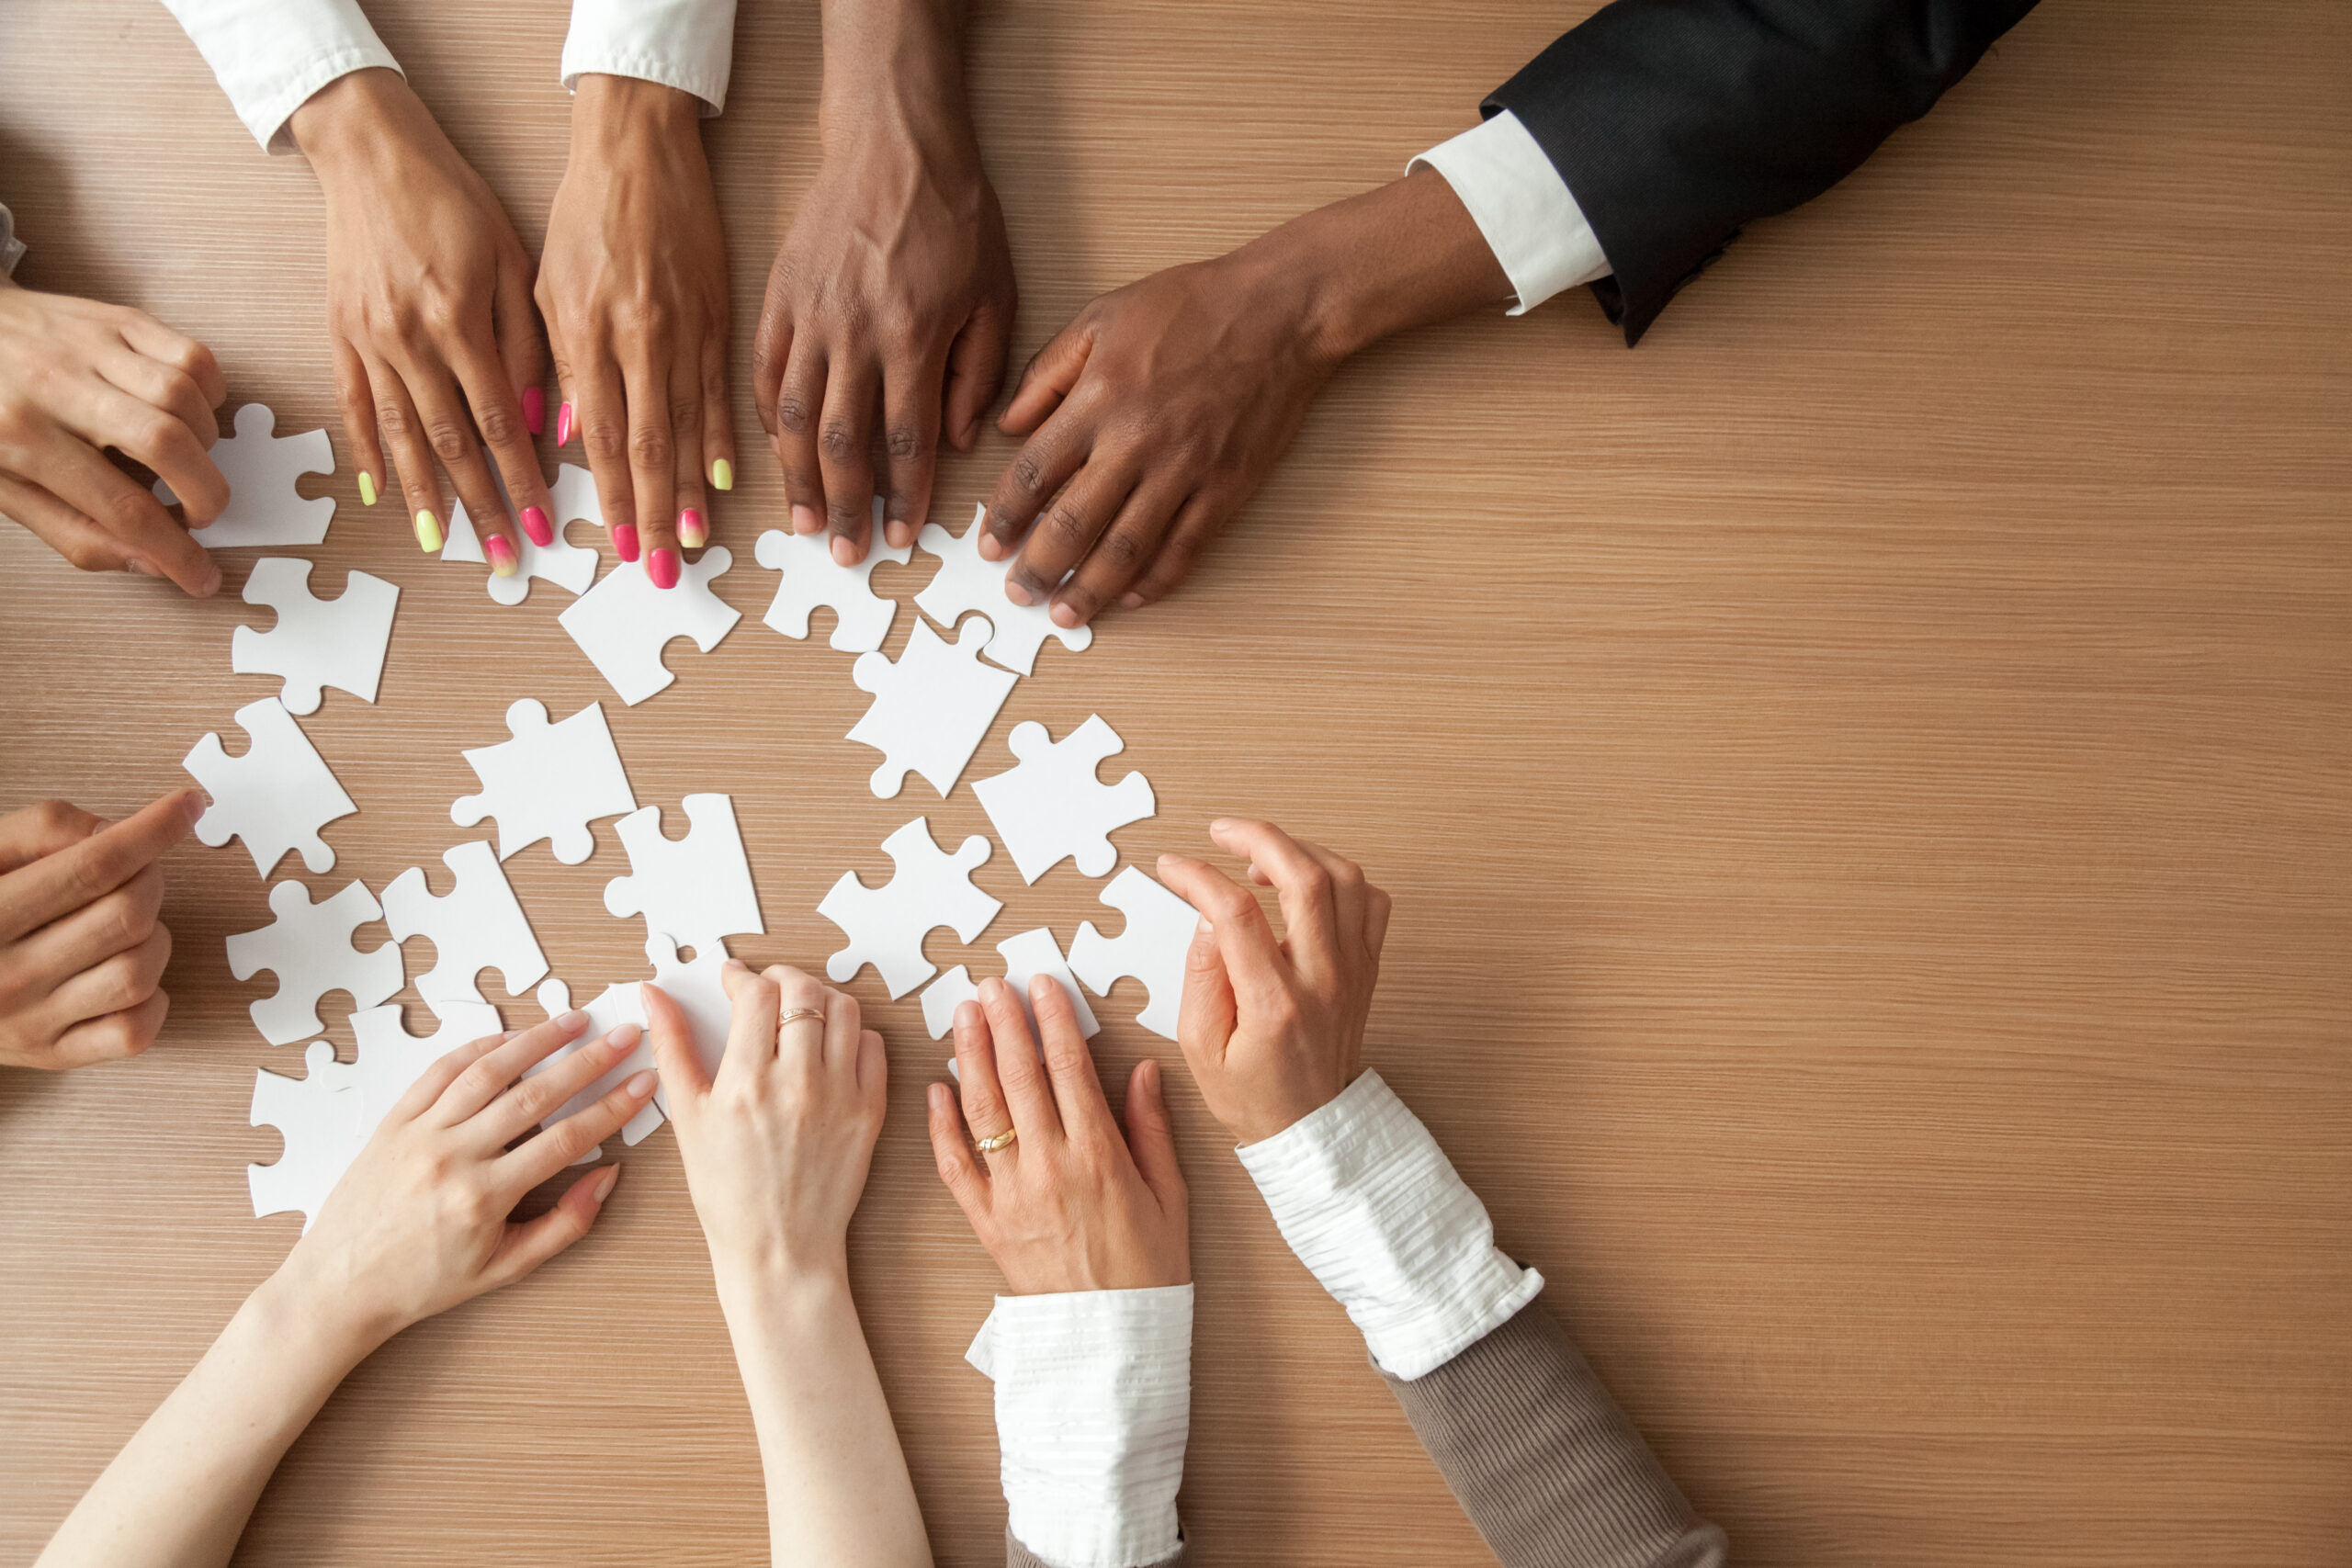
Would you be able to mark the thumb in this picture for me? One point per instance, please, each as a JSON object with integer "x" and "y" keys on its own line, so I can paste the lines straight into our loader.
{"x": 1205, "y": 1015}
{"x": 684, "y": 1081}
{"x": 1151, "y": 1137}
{"x": 1047, "y": 380}
{"x": 975, "y": 372}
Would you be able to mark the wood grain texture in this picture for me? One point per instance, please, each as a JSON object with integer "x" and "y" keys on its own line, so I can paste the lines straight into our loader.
{"x": 1867, "y": 781}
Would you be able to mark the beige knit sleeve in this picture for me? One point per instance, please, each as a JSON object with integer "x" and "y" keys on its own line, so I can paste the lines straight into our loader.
{"x": 1549, "y": 1470}
{"x": 1019, "y": 1556}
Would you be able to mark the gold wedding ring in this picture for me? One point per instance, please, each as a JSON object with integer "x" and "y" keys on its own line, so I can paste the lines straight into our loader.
{"x": 1001, "y": 1141}
{"x": 793, "y": 1015}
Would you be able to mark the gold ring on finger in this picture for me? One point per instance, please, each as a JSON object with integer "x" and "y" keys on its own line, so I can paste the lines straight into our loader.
{"x": 1001, "y": 1141}
{"x": 793, "y": 1015}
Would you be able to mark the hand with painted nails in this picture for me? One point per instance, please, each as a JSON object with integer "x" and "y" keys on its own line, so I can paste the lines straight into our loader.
{"x": 890, "y": 305}
{"x": 77, "y": 378}
{"x": 1068, "y": 1205}
{"x": 1274, "y": 1029}
{"x": 633, "y": 285}
{"x": 437, "y": 350}
{"x": 82, "y": 951}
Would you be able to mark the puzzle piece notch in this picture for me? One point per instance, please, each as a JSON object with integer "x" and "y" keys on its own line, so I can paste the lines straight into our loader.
{"x": 1052, "y": 805}
{"x": 1151, "y": 948}
{"x": 887, "y": 925}
{"x": 698, "y": 888}
{"x": 964, "y": 584}
{"x": 316, "y": 642}
{"x": 930, "y": 709}
{"x": 309, "y": 949}
{"x": 319, "y": 1118}
{"x": 477, "y": 925}
{"x": 548, "y": 781}
{"x": 277, "y": 796}
{"x": 568, "y": 565}
{"x": 390, "y": 1058}
{"x": 624, "y": 622}
{"x": 262, "y": 469}
{"x": 1027, "y": 956}
{"x": 812, "y": 577}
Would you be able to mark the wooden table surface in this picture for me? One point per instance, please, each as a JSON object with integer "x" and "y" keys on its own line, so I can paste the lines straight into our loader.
{"x": 1864, "y": 780}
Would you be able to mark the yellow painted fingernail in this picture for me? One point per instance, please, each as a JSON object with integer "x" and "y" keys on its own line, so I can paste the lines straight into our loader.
{"x": 722, "y": 474}
{"x": 367, "y": 488}
{"x": 428, "y": 531}
{"x": 502, "y": 556}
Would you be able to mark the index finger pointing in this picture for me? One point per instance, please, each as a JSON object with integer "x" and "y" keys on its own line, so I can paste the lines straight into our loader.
{"x": 57, "y": 884}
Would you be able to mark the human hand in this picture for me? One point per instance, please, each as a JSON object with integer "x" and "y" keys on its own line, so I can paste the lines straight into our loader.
{"x": 1070, "y": 1204}
{"x": 77, "y": 376}
{"x": 776, "y": 1143}
{"x": 81, "y": 949}
{"x": 429, "y": 308}
{"x": 893, "y": 291}
{"x": 1274, "y": 1030}
{"x": 633, "y": 285}
{"x": 421, "y": 1221}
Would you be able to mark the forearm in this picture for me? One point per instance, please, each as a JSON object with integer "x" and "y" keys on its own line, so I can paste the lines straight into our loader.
{"x": 837, "y": 1484}
{"x": 178, "y": 1494}
{"x": 896, "y": 66}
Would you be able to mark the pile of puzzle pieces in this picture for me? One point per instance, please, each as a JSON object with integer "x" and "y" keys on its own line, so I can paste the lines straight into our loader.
{"x": 552, "y": 779}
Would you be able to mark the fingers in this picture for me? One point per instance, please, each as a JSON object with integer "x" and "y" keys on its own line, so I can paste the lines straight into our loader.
{"x": 873, "y": 1070}
{"x": 845, "y": 456}
{"x": 1151, "y": 1135}
{"x": 771, "y": 350}
{"x": 1254, "y": 963}
{"x": 528, "y": 1245}
{"x": 692, "y": 518}
{"x": 81, "y": 873}
{"x": 113, "y": 1037}
{"x": 115, "y": 922}
{"x": 521, "y": 353}
{"x": 959, "y": 1169}
{"x": 1311, "y": 922}
{"x": 162, "y": 384}
{"x": 545, "y": 1153}
{"x": 1043, "y": 466}
{"x": 751, "y": 1033}
{"x": 136, "y": 419}
{"x": 717, "y": 429}
{"x": 1070, "y": 1065}
{"x": 1207, "y": 1016}
{"x": 449, "y": 433}
{"x": 137, "y": 530}
{"x": 976, "y": 363}
{"x": 1197, "y": 522}
{"x": 1069, "y": 529}
{"x": 652, "y": 455}
{"x": 530, "y": 1101}
{"x": 498, "y": 415}
{"x": 1049, "y": 379}
{"x": 602, "y": 414}
{"x": 1123, "y": 547}
{"x": 182, "y": 353}
{"x": 910, "y": 412}
{"x": 800, "y": 408}
{"x": 42, "y": 829}
{"x": 984, "y": 1106}
{"x": 1375, "y": 924}
{"x": 404, "y": 437}
{"x": 113, "y": 985}
{"x": 491, "y": 1072}
{"x": 1020, "y": 1069}
{"x": 426, "y": 1093}
{"x": 356, "y": 402}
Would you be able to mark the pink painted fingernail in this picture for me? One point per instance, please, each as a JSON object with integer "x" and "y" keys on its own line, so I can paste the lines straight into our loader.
{"x": 806, "y": 521}
{"x": 662, "y": 567}
{"x": 534, "y": 524}
{"x": 692, "y": 530}
{"x": 625, "y": 540}
{"x": 564, "y": 425}
{"x": 501, "y": 551}
{"x": 535, "y": 409}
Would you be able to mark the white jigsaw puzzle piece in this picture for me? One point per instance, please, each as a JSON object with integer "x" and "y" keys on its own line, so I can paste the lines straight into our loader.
{"x": 812, "y": 577}
{"x": 616, "y": 1006}
{"x": 261, "y": 468}
{"x": 275, "y": 797}
{"x": 887, "y": 925}
{"x": 930, "y": 709}
{"x": 309, "y": 947}
{"x": 966, "y": 583}
{"x": 1152, "y": 949}
{"x": 700, "y": 994}
{"x": 1052, "y": 805}
{"x": 319, "y": 1117}
{"x": 390, "y": 1058}
{"x": 316, "y": 642}
{"x": 477, "y": 925}
{"x": 549, "y": 782}
{"x": 697, "y": 890}
{"x": 568, "y": 565}
{"x": 1027, "y": 956}
{"x": 623, "y": 623}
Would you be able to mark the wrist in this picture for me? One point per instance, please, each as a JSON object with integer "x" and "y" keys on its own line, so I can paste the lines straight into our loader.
{"x": 359, "y": 115}
{"x": 776, "y": 1285}
{"x": 609, "y": 113}
{"x": 310, "y": 1325}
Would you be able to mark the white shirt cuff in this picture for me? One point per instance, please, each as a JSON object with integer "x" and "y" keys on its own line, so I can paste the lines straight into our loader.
{"x": 1093, "y": 1399}
{"x": 685, "y": 44}
{"x": 1520, "y": 204}
{"x": 1376, "y": 1210}
{"x": 269, "y": 56}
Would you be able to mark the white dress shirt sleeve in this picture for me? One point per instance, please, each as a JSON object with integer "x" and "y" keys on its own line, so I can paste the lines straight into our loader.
{"x": 1376, "y": 1211}
{"x": 1520, "y": 204}
{"x": 1093, "y": 1399}
{"x": 269, "y": 56}
{"x": 685, "y": 44}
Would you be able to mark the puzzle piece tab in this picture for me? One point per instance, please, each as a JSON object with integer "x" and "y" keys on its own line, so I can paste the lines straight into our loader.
{"x": 261, "y": 468}
{"x": 319, "y": 1118}
{"x": 623, "y": 623}
{"x": 275, "y": 797}
{"x": 477, "y": 925}
{"x": 316, "y": 642}
{"x": 696, "y": 890}
{"x": 1152, "y": 949}
{"x": 309, "y": 947}
{"x": 966, "y": 583}
{"x": 930, "y": 708}
{"x": 812, "y": 577}
{"x": 1052, "y": 805}
{"x": 549, "y": 782}
{"x": 887, "y": 925}
{"x": 1027, "y": 956}
{"x": 568, "y": 565}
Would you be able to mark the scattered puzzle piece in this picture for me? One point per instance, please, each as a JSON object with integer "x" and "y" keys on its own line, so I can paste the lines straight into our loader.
{"x": 964, "y": 584}
{"x": 1052, "y": 805}
{"x": 477, "y": 925}
{"x": 623, "y": 623}
{"x": 319, "y": 1118}
{"x": 1159, "y": 927}
{"x": 930, "y": 708}
{"x": 549, "y": 782}
{"x": 812, "y": 577}
{"x": 568, "y": 565}
{"x": 316, "y": 642}
{"x": 390, "y": 1058}
{"x": 1027, "y": 956}
{"x": 264, "y": 506}
{"x": 275, "y": 797}
{"x": 309, "y": 947}
{"x": 698, "y": 888}
{"x": 886, "y": 926}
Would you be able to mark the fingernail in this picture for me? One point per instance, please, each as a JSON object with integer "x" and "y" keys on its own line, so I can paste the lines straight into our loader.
{"x": 501, "y": 551}
{"x": 534, "y": 524}
{"x": 1220, "y": 825}
{"x": 1065, "y": 616}
{"x": 898, "y": 531}
{"x": 722, "y": 474}
{"x": 625, "y": 540}
{"x": 844, "y": 553}
{"x": 734, "y": 964}
{"x": 806, "y": 521}
{"x": 192, "y": 805}
{"x": 990, "y": 548}
{"x": 574, "y": 1022}
{"x": 1017, "y": 594}
{"x": 1130, "y": 601}
{"x": 143, "y": 568}
{"x": 604, "y": 1183}
{"x": 1205, "y": 929}
{"x": 662, "y": 567}
{"x": 639, "y": 1086}
{"x": 564, "y": 425}
{"x": 535, "y": 409}
{"x": 367, "y": 488}
{"x": 212, "y": 583}
{"x": 692, "y": 530}
{"x": 428, "y": 531}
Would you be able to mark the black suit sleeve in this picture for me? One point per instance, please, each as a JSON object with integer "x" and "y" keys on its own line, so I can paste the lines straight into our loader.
{"x": 1676, "y": 121}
